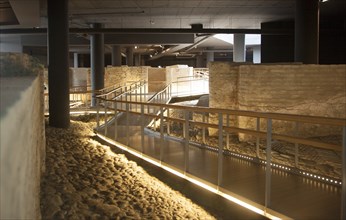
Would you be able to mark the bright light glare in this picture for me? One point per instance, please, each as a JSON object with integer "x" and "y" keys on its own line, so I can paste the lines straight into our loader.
{"x": 250, "y": 39}
{"x": 225, "y": 37}
{"x": 192, "y": 180}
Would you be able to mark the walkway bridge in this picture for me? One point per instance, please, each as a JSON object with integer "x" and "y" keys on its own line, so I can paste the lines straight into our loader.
{"x": 196, "y": 143}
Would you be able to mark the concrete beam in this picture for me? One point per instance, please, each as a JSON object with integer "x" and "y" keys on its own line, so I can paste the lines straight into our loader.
{"x": 149, "y": 39}
{"x": 115, "y": 39}
{"x": 27, "y": 12}
{"x": 152, "y": 31}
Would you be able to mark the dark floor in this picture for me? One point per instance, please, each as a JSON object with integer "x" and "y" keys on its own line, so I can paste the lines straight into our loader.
{"x": 291, "y": 195}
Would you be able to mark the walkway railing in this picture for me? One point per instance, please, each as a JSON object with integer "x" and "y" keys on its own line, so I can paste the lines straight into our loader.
{"x": 190, "y": 85}
{"x": 80, "y": 96}
{"x": 198, "y": 119}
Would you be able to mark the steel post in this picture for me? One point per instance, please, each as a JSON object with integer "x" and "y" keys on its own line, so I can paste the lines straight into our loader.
{"x": 127, "y": 125}
{"x": 186, "y": 142}
{"x": 296, "y": 147}
{"x": 106, "y": 126}
{"x": 98, "y": 113}
{"x": 343, "y": 191}
{"x": 162, "y": 141}
{"x": 258, "y": 128}
{"x": 268, "y": 165}
{"x": 220, "y": 152}
{"x": 115, "y": 120}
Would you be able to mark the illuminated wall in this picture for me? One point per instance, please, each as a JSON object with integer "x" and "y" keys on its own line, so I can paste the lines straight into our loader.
{"x": 317, "y": 90}
{"x": 22, "y": 148}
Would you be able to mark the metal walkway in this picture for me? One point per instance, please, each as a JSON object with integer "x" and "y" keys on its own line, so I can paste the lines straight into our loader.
{"x": 274, "y": 194}
{"x": 291, "y": 195}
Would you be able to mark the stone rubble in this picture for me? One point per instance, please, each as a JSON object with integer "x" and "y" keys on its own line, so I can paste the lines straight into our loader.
{"x": 86, "y": 180}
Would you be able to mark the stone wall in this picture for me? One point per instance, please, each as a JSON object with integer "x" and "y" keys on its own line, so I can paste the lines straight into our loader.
{"x": 113, "y": 75}
{"x": 123, "y": 74}
{"x": 22, "y": 146}
{"x": 79, "y": 77}
{"x": 317, "y": 90}
{"x": 157, "y": 79}
{"x": 178, "y": 71}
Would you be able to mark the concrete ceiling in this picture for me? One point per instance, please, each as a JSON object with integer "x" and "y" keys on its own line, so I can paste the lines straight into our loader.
{"x": 222, "y": 14}
{"x": 183, "y": 13}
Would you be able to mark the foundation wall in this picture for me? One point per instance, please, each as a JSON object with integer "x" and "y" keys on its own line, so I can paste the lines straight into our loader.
{"x": 123, "y": 74}
{"x": 79, "y": 77}
{"x": 157, "y": 79}
{"x": 22, "y": 147}
{"x": 317, "y": 90}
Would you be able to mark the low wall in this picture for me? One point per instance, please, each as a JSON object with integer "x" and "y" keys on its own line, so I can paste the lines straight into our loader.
{"x": 22, "y": 148}
{"x": 79, "y": 77}
{"x": 113, "y": 75}
{"x": 157, "y": 79}
{"x": 123, "y": 74}
{"x": 317, "y": 90}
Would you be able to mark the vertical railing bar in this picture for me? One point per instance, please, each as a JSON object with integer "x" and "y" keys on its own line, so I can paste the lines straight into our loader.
{"x": 343, "y": 190}
{"x": 184, "y": 131}
{"x": 258, "y": 128}
{"x": 162, "y": 143}
{"x": 142, "y": 127}
{"x": 227, "y": 133}
{"x": 105, "y": 115}
{"x": 203, "y": 129}
{"x": 127, "y": 125}
{"x": 296, "y": 146}
{"x": 186, "y": 144}
{"x": 268, "y": 165}
{"x": 168, "y": 123}
{"x": 115, "y": 120}
{"x": 98, "y": 112}
{"x": 220, "y": 152}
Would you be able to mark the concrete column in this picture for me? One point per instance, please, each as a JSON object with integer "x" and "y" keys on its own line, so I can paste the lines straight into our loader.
{"x": 75, "y": 60}
{"x": 137, "y": 60}
{"x": 306, "y": 48}
{"x": 256, "y": 56}
{"x": 97, "y": 62}
{"x": 199, "y": 61}
{"x": 58, "y": 64}
{"x": 143, "y": 59}
{"x": 210, "y": 58}
{"x": 129, "y": 56}
{"x": 239, "y": 48}
{"x": 81, "y": 60}
{"x": 116, "y": 55}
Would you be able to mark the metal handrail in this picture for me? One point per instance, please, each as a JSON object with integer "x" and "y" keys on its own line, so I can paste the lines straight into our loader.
{"x": 340, "y": 122}
{"x": 131, "y": 87}
{"x": 158, "y": 112}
